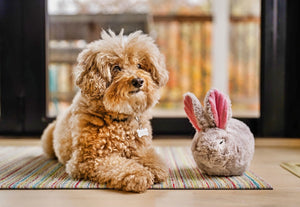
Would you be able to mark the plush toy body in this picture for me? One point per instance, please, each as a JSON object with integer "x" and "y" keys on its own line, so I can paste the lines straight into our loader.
{"x": 222, "y": 145}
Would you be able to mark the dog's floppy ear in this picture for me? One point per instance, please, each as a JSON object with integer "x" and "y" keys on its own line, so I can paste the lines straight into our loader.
{"x": 92, "y": 73}
{"x": 158, "y": 69}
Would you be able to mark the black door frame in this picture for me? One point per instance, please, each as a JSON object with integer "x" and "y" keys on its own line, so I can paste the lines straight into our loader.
{"x": 22, "y": 63}
{"x": 273, "y": 48}
{"x": 11, "y": 67}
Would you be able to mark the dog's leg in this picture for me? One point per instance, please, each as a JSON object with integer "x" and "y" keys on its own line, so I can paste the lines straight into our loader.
{"x": 150, "y": 159}
{"x": 115, "y": 171}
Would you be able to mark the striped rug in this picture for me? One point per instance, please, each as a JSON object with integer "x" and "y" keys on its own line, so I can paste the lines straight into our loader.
{"x": 27, "y": 168}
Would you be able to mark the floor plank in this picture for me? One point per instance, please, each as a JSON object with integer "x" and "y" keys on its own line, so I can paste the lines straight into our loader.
{"x": 266, "y": 163}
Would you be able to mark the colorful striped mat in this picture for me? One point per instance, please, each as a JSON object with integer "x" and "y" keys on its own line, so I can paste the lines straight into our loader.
{"x": 27, "y": 168}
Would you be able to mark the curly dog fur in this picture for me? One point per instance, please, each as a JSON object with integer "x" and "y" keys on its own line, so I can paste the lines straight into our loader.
{"x": 97, "y": 136}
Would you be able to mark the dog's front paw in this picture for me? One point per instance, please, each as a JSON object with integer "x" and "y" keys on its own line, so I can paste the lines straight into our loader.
{"x": 138, "y": 182}
{"x": 160, "y": 174}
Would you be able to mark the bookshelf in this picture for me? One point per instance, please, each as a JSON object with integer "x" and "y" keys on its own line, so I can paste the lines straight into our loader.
{"x": 187, "y": 43}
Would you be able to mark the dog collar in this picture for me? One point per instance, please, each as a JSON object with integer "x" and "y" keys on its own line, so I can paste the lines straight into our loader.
{"x": 120, "y": 120}
{"x": 117, "y": 118}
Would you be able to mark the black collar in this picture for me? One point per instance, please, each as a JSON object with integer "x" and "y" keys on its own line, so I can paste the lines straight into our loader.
{"x": 119, "y": 120}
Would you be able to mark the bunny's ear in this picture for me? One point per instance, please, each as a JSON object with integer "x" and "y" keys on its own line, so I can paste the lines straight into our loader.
{"x": 218, "y": 108}
{"x": 193, "y": 109}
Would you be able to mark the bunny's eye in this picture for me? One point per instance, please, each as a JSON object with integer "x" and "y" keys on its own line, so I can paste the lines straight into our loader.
{"x": 221, "y": 142}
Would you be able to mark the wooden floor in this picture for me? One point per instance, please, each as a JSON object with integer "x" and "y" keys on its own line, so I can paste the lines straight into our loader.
{"x": 268, "y": 156}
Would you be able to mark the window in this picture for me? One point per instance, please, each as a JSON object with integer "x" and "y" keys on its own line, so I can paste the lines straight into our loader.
{"x": 184, "y": 31}
{"x": 23, "y": 42}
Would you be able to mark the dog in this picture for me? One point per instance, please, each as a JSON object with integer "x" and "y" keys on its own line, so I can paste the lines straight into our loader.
{"x": 105, "y": 135}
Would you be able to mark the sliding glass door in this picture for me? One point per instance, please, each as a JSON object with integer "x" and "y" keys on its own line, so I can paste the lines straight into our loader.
{"x": 207, "y": 44}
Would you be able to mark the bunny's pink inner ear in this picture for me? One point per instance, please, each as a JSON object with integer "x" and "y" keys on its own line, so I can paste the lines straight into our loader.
{"x": 219, "y": 108}
{"x": 189, "y": 110}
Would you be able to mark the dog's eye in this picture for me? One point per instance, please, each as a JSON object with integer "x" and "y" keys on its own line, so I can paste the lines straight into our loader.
{"x": 139, "y": 66}
{"x": 117, "y": 68}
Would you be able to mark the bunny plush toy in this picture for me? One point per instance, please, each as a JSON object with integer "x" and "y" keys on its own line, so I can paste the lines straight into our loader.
{"x": 222, "y": 145}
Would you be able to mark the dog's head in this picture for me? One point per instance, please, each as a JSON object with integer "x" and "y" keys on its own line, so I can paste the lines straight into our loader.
{"x": 125, "y": 72}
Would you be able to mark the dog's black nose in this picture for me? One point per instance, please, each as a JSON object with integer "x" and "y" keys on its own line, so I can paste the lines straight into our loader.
{"x": 137, "y": 82}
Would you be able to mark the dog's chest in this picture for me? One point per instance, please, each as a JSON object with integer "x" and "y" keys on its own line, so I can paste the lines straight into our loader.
{"x": 123, "y": 137}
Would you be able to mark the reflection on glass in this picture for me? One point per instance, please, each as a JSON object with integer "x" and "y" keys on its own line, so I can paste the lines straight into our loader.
{"x": 183, "y": 31}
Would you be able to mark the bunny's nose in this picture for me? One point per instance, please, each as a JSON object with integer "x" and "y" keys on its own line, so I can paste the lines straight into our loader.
{"x": 137, "y": 82}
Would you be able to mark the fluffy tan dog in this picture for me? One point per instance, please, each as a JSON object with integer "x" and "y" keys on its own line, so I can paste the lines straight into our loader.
{"x": 105, "y": 135}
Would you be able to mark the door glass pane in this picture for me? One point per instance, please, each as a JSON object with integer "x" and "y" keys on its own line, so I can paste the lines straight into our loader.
{"x": 207, "y": 43}
{"x": 244, "y": 57}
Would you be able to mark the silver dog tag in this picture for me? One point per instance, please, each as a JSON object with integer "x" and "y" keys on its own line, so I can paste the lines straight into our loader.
{"x": 142, "y": 132}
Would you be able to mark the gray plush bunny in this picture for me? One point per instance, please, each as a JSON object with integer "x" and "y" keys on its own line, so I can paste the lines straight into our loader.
{"x": 222, "y": 145}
